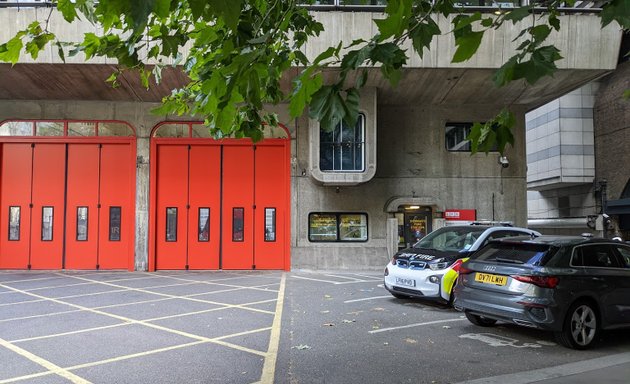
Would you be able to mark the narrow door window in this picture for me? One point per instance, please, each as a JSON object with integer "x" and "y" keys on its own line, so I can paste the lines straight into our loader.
{"x": 14, "y": 223}
{"x": 114, "y": 223}
{"x": 238, "y": 224}
{"x": 270, "y": 224}
{"x": 82, "y": 223}
{"x": 47, "y": 223}
{"x": 204, "y": 224}
{"x": 171, "y": 224}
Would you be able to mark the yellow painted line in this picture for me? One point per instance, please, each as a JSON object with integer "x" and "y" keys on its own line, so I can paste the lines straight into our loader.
{"x": 269, "y": 367}
{"x": 69, "y": 333}
{"x": 132, "y": 321}
{"x": 183, "y": 297}
{"x": 57, "y": 370}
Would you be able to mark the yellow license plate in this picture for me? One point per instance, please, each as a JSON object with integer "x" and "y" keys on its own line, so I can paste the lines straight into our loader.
{"x": 490, "y": 279}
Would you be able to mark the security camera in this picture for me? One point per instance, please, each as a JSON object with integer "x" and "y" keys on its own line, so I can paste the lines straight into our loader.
{"x": 504, "y": 162}
{"x": 605, "y": 216}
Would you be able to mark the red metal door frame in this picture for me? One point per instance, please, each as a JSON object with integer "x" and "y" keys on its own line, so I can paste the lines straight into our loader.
{"x": 286, "y": 169}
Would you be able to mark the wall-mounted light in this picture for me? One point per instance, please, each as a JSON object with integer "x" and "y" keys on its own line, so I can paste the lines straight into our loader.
{"x": 412, "y": 207}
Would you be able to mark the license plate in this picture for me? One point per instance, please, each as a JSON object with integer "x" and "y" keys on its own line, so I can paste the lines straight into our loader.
{"x": 490, "y": 279}
{"x": 406, "y": 282}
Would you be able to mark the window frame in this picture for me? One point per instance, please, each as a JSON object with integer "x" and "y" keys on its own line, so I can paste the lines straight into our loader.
{"x": 338, "y": 216}
{"x": 340, "y": 144}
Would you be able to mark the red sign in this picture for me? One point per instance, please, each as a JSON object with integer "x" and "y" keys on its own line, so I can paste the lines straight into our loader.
{"x": 461, "y": 214}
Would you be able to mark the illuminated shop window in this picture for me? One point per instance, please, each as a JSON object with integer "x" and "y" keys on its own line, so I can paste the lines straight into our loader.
{"x": 337, "y": 227}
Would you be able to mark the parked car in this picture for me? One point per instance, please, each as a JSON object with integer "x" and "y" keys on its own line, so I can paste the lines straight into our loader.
{"x": 430, "y": 268}
{"x": 572, "y": 286}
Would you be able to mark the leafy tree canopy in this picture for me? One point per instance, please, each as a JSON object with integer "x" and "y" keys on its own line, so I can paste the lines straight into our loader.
{"x": 240, "y": 50}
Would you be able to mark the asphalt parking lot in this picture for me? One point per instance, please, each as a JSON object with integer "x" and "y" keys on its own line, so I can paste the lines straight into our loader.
{"x": 259, "y": 327}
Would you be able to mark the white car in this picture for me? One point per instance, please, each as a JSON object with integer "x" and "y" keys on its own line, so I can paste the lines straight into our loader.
{"x": 430, "y": 268}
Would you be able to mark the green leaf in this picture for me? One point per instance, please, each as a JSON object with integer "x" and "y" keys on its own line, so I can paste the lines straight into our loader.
{"x": 517, "y": 14}
{"x": 304, "y": 88}
{"x": 616, "y": 10}
{"x": 327, "y": 106}
{"x": 10, "y": 51}
{"x": 396, "y": 21}
{"x": 67, "y": 9}
{"x": 467, "y": 46}
{"x": 465, "y": 21}
{"x": 60, "y": 51}
{"x": 540, "y": 33}
{"x": 162, "y": 8}
{"x": 423, "y": 34}
{"x": 228, "y": 10}
{"x": 505, "y": 74}
{"x": 351, "y": 107}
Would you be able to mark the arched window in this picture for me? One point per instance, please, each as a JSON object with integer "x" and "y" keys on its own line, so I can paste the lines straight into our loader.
{"x": 198, "y": 130}
{"x": 67, "y": 128}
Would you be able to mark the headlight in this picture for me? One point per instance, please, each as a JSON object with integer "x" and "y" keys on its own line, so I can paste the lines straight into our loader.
{"x": 438, "y": 264}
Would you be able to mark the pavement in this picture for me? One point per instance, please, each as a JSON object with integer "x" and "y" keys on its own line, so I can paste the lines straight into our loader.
{"x": 229, "y": 327}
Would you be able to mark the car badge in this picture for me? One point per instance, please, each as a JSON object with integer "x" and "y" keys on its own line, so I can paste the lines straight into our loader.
{"x": 490, "y": 268}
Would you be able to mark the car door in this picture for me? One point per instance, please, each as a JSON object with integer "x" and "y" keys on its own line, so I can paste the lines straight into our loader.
{"x": 602, "y": 277}
{"x": 622, "y": 292}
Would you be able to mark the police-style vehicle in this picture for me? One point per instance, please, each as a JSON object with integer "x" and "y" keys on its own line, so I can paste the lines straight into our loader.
{"x": 430, "y": 267}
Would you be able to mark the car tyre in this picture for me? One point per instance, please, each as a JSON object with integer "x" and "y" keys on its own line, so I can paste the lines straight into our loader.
{"x": 580, "y": 328}
{"x": 480, "y": 320}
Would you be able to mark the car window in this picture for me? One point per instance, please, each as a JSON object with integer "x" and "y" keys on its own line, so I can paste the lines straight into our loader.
{"x": 625, "y": 254}
{"x": 595, "y": 255}
{"x": 450, "y": 239}
{"x": 515, "y": 253}
{"x": 501, "y": 234}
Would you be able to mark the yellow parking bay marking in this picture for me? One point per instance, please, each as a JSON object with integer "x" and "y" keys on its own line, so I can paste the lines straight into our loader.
{"x": 44, "y": 363}
{"x": 182, "y": 297}
{"x": 132, "y": 321}
{"x": 269, "y": 367}
{"x": 415, "y": 325}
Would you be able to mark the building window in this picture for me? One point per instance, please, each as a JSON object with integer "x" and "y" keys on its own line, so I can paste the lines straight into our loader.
{"x": 343, "y": 149}
{"x": 337, "y": 227}
{"x": 456, "y": 137}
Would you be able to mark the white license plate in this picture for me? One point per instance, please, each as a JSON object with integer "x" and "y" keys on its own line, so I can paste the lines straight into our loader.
{"x": 406, "y": 282}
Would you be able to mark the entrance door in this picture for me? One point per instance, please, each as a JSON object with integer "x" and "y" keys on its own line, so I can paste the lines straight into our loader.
{"x": 415, "y": 224}
{"x": 188, "y": 207}
{"x": 220, "y": 205}
{"x": 52, "y": 202}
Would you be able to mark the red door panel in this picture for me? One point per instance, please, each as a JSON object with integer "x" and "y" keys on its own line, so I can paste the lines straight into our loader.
{"x": 116, "y": 215}
{"x": 205, "y": 202}
{"x": 48, "y": 206}
{"x": 171, "y": 212}
{"x": 17, "y": 163}
{"x": 81, "y": 206}
{"x": 238, "y": 201}
{"x": 270, "y": 199}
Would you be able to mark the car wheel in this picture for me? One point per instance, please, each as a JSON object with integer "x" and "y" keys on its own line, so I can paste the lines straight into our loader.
{"x": 480, "y": 320}
{"x": 580, "y": 328}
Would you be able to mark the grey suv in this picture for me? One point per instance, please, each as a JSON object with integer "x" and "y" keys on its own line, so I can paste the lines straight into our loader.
{"x": 573, "y": 286}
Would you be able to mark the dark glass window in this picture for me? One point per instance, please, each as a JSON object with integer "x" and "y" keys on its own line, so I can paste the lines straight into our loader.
{"x": 456, "y": 137}
{"x": 114, "y": 223}
{"x": 238, "y": 224}
{"x": 82, "y": 223}
{"x": 343, "y": 149}
{"x": 597, "y": 255}
{"x": 204, "y": 224}
{"x": 14, "y": 223}
{"x": 47, "y": 223}
{"x": 342, "y": 227}
{"x": 270, "y": 224}
{"x": 171, "y": 224}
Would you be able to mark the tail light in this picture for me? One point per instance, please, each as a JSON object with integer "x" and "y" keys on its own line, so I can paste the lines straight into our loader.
{"x": 457, "y": 265}
{"x": 464, "y": 271}
{"x": 540, "y": 281}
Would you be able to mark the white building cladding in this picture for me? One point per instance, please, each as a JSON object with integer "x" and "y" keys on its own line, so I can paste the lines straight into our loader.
{"x": 357, "y": 193}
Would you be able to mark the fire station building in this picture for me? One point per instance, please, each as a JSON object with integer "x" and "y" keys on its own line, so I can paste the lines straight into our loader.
{"x": 91, "y": 179}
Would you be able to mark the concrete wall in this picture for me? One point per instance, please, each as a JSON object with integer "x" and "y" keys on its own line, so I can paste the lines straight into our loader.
{"x": 413, "y": 164}
{"x": 578, "y": 34}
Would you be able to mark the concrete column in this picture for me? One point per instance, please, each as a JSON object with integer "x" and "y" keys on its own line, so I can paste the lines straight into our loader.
{"x": 142, "y": 204}
{"x": 392, "y": 236}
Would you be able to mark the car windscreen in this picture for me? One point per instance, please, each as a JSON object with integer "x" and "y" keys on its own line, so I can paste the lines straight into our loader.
{"x": 450, "y": 239}
{"x": 515, "y": 253}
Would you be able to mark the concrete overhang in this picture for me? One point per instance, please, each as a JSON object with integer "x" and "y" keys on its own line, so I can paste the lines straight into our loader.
{"x": 589, "y": 53}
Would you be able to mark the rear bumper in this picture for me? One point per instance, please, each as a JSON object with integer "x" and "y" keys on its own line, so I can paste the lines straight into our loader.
{"x": 515, "y": 309}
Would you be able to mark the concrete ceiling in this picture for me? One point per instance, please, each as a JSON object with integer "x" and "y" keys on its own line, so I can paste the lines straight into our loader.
{"x": 421, "y": 86}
